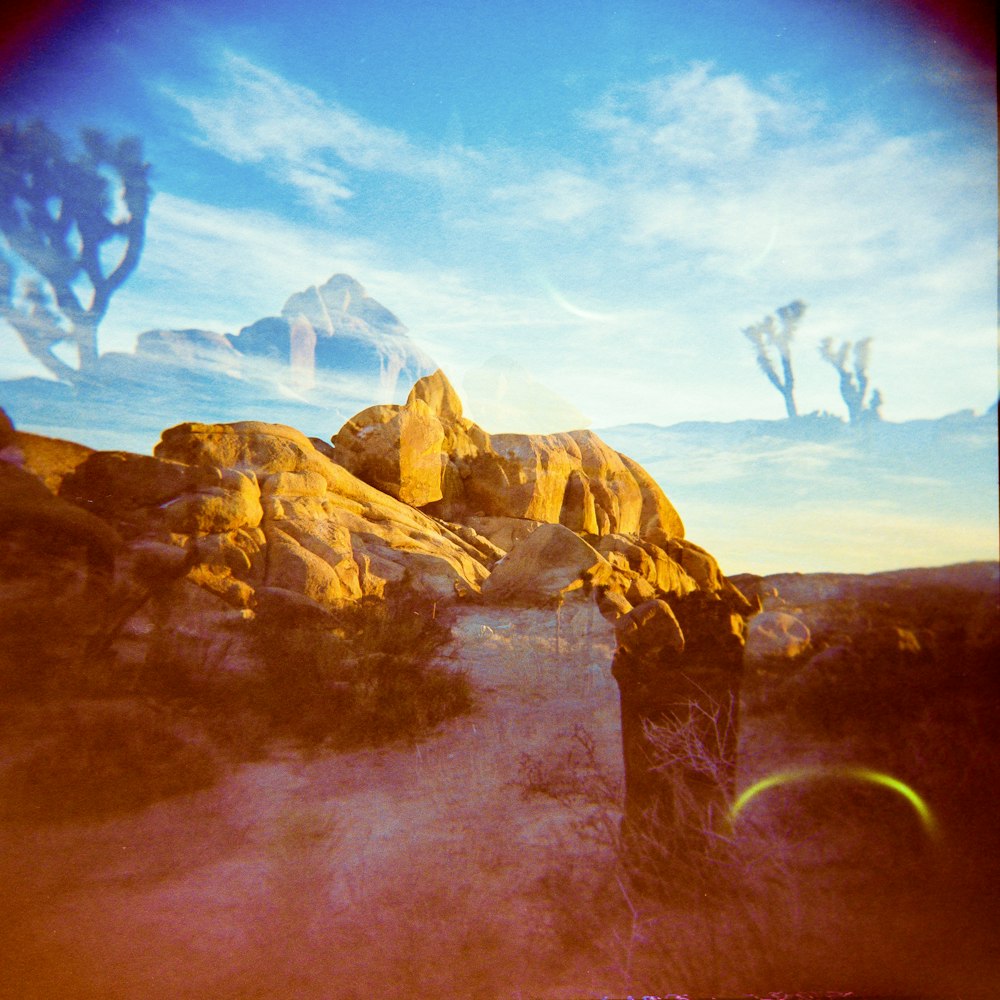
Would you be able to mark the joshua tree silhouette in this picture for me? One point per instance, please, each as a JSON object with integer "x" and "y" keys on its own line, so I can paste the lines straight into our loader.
{"x": 853, "y": 384}
{"x": 73, "y": 228}
{"x": 766, "y": 335}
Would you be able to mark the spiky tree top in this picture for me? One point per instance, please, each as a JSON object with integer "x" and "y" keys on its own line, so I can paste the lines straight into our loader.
{"x": 58, "y": 215}
{"x": 853, "y": 384}
{"x": 767, "y": 335}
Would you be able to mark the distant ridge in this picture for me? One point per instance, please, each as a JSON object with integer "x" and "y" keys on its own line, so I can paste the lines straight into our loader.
{"x": 818, "y": 494}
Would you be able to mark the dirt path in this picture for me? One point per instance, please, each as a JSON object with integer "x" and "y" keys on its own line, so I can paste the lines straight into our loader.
{"x": 417, "y": 869}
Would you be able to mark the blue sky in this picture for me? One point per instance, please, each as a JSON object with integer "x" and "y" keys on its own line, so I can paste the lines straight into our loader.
{"x": 606, "y": 194}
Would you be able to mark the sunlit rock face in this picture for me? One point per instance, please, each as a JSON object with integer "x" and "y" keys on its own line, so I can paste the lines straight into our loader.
{"x": 320, "y": 531}
{"x": 544, "y": 566}
{"x": 573, "y": 478}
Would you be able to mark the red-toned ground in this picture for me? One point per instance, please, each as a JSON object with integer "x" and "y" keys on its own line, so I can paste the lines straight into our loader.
{"x": 481, "y": 863}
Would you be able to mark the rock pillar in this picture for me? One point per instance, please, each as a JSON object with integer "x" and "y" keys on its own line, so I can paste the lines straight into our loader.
{"x": 678, "y": 666}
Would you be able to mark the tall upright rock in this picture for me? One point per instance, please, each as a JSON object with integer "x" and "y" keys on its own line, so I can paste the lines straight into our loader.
{"x": 679, "y": 669}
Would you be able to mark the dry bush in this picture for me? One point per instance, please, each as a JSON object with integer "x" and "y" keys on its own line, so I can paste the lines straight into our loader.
{"x": 363, "y": 676}
{"x": 571, "y": 773}
{"x": 134, "y": 735}
{"x": 816, "y": 885}
{"x": 367, "y": 677}
{"x": 93, "y": 758}
{"x": 665, "y": 906}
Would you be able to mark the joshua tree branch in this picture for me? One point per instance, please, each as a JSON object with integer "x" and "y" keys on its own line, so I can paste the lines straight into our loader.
{"x": 56, "y": 215}
{"x": 764, "y": 336}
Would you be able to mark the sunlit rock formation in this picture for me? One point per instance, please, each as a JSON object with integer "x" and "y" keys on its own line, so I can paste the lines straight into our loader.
{"x": 226, "y": 521}
{"x": 458, "y": 470}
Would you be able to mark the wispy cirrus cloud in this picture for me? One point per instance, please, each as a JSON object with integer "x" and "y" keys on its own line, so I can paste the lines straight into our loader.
{"x": 219, "y": 268}
{"x": 671, "y": 212}
{"x": 253, "y": 115}
{"x": 556, "y": 196}
{"x": 737, "y": 176}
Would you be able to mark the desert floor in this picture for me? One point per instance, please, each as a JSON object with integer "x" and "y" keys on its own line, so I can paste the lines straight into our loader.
{"x": 481, "y": 862}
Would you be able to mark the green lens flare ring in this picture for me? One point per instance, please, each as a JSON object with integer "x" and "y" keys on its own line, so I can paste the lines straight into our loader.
{"x": 865, "y": 774}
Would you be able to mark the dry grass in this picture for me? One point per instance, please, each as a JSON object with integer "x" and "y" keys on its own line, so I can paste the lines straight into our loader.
{"x": 488, "y": 861}
{"x": 115, "y": 740}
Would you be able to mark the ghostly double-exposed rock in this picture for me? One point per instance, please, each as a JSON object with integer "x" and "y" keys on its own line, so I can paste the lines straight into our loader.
{"x": 336, "y": 329}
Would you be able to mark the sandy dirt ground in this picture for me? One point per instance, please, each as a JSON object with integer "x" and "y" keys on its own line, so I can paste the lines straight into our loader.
{"x": 435, "y": 870}
{"x": 413, "y": 870}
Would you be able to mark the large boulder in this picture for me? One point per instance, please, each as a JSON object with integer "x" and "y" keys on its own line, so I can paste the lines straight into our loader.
{"x": 653, "y": 563}
{"x": 223, "y": 513}
{"x": 572, "y": 478}
{"x": 776, "y": 635}
{"x": 549, "y": 563}
{"x": 504, "y": 532}
{"x": 50, "y": 459}
{"x": 326, "y": 534}
{"x": 397, "y": 450}
{"x": 131, "y": 490}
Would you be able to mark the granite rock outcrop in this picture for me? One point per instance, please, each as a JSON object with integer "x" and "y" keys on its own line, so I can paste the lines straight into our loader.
{"x": 226, "y": 522}
{"x": 456, "y": 470}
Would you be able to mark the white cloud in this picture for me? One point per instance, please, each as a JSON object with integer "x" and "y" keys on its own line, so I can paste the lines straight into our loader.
{"x": 554, "y": 196}
{"x": 840, "y": 203}
{"x": 256, "y": 116}
{"x": 709, "y": 173}
{"x": 694, "y": 119}
{"x": 627, "y": 263}
{"x": 219, "y": 269}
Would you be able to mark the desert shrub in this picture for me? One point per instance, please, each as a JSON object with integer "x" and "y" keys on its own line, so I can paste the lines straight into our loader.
{"x": 857, "y": 692}
{"x": 659, "y": 902}
{"x": 132, "y": 735}
{"x": 363, "y": 677}
{"x": 99, "y": 757}
{"x": 570, "y": 773}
